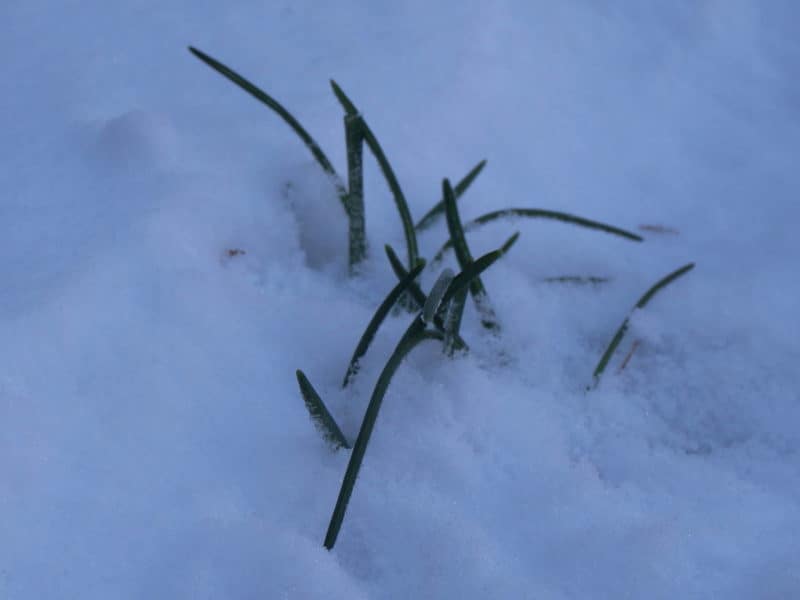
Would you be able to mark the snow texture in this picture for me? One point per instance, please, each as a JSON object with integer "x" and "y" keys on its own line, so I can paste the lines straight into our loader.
{"x": 172, "y": 254}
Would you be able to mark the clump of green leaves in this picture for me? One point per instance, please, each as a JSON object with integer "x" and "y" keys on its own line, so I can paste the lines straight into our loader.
{"x": 438, "y": 314}
{"x": 437, "y": 303}
{"x": 351, "y": 194}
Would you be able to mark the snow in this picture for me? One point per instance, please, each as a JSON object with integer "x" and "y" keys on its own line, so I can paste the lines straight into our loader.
{"x": 173, "y": 255}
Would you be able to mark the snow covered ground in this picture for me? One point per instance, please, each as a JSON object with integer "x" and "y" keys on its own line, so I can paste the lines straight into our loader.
{"x": 153, "y": 443}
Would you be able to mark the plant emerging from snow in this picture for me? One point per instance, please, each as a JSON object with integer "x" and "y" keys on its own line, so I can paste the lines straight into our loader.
{"x": 437, "y": 315}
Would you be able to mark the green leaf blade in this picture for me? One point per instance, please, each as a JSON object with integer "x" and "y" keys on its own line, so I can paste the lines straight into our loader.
{"x": 662, "y": 283}
{"x": 415, "y": 299}
{"x": 276, "y": 107}
{"x": 414, "y": 335}
{"x": 378, "y": 318}
{"x": 538, "y": 213}
{"x": 357, "y": 227}
{"x": 418, "y": 296}
{"x": 479, "y": 295}
{"x": 620, "y": 333}
{"x": 349, "y": 108}
{"x": 397, "y": 193}
{"x": 462, "y": 280}
{"x": 438, "y": 209}
{"x": 386, "y": 169}
{"x": 319, "y": 414}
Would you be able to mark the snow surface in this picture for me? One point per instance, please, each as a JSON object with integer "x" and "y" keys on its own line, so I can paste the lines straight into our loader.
{"x": 153, "y": 443}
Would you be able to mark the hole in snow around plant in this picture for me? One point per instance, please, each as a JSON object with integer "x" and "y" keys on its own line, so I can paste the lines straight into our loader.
{"x": 321, "y": 220}
{"x": 138, "y": 139}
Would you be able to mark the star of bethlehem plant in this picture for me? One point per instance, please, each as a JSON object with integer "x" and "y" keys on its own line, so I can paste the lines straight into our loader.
{"x": 437, "y": 315}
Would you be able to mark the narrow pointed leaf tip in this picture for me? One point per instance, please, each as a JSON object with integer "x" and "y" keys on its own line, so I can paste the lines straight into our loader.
{"x": 388, "y": 173}
{"x": 397, "y": 192}
{"x": 319, "y": 414}
{"x": 509, "y": 242}
{"x": 540, "y": 213}
{"x": 620, "y": 333}
{"x": 663, "y": 283}
{"x": 346, "y": 103}
{"x": 438, "y": 209}
{"x": 537, "y": 213}
{"x": 279, "y": 109}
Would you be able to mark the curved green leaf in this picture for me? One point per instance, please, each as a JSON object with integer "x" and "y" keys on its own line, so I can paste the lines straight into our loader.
{"x": 415, "y": 299}
{"x": 462, "y": 280}
{"x": 538, "y": 213}
{"x": 479, "y": 295}
{"x": 438, "y": 209}
{"x": 378, "y": 318}
{"x": 418, "y": 296}
{"x": 265, "y": 98}
{"x": 348, "y": 106}
{"x": 620, "y": 333}
{"x": 388, "y": 173}
{"x": 414, "y": 335}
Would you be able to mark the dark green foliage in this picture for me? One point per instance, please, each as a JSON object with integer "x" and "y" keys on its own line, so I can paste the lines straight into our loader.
{"x": 349, "y": 108}
{"x": 262, "y": 96}
{"x": 319, "y": 414}
{"x": 442, "y": 309}
{"x": 386, "y": 169}
{"x": 479, "y": 295}
{"x": 551, "y": 214}
{"x": 357, "y": 132}
{"x": 438, "y": 209}
{"x": 475, "y": 268}
{"x": 540, "y": 214}
{"x": 357, "y": 227}
{"x": 662, "y": 283}
{"x": 378, "y": 318}
{"x": 416, "y": 295}
{"x": 620, "y": 333}
{"x": 413, "y": 299}
{"x": 353, "y": 199}
{"x": 415, "y": 334}
{"x": 454, "y": 299}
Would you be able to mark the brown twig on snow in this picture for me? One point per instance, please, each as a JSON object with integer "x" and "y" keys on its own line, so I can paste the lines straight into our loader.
{"x": 624, "y": 364}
